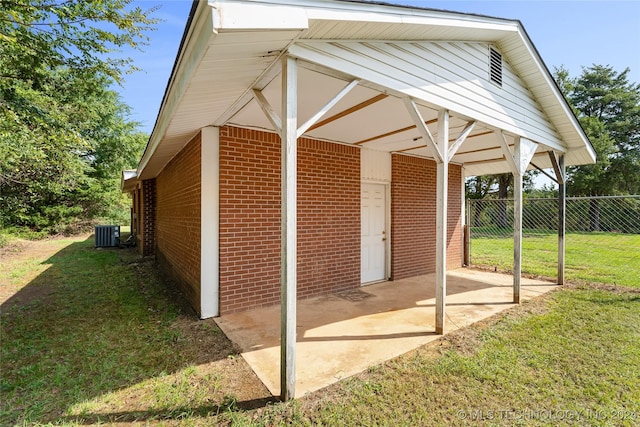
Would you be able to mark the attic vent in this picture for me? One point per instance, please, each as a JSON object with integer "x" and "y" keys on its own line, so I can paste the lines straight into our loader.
{"x": 495, "y": 66}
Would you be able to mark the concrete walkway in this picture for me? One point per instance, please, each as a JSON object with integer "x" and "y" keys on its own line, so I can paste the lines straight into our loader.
{"x": 342, "y": 335}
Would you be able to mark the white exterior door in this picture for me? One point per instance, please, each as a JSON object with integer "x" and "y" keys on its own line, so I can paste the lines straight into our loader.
{"x": 374, "y": 235}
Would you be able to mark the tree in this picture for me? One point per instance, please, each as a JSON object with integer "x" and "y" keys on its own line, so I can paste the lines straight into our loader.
{"x": 62, "y": 154}
{"x": 42, "y": 35}
{"x": 608, "y": 107}
{"x": 64, "y": 134}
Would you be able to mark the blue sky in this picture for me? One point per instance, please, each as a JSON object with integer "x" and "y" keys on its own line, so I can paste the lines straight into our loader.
{"x": 569, "y": 33}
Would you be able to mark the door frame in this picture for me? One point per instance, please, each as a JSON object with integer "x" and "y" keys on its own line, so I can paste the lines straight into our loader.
{"x": 387, "y": 227}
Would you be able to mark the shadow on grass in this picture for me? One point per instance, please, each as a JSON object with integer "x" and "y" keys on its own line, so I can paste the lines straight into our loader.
{"x": 97, "y": 321}
{"x": 171, "y": 414}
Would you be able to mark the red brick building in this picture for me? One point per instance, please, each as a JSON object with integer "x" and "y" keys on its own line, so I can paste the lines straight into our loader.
{"x": 329, "y": 218}
{"x": 314, "y": 146}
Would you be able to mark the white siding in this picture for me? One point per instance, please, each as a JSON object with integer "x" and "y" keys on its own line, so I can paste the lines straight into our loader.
{"x": 451, "y": 75}
{"x": 375, "y": 165}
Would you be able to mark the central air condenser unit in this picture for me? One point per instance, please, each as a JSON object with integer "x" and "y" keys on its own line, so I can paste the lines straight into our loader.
{"x": 107, "y": 236}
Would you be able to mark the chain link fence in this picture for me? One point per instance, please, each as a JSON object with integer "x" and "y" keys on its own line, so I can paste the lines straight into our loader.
{"x": 602, "y": 237}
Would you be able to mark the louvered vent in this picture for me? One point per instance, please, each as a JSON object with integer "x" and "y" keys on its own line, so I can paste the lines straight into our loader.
{"x": 495, "y": 66}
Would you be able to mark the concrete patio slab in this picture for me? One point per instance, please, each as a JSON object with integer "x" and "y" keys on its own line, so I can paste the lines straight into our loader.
{"x": 340, "y": 335}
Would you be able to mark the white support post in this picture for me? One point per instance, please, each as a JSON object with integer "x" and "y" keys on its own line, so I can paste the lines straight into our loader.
{"x": 562, "y": 204}
{"x": 442, "y": 179}
{"x": 518, "y": 162}
{"x": 288, "y": 136}
{"x": 209, "y": 222}
{"x": 517, "y": 224}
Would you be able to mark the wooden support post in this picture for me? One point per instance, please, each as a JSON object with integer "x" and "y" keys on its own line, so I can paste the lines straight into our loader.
{"x": 442, "y": 179}
{"x": 517, "y": 225}
{"x": 562, "y": 202}
{"x": 466, "y": 224}
{"x": 523, "y": 152}
{"x": 288, "y": 136}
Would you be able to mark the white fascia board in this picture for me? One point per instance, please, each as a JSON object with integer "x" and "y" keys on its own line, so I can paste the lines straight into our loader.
{"x": 231, "y": 16}
{"x": 553, "y": 88}
{"x": 427, "y": 18}
{"x": 193, "y": 49}
{"x": 388, "y": 13}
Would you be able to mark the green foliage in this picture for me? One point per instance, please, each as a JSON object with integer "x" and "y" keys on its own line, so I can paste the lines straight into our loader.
{"x": 64, "y": 135}
{"x": 41, "y": 35}
{"x": 608, "y": 107}
{"x": 497, "y": 186}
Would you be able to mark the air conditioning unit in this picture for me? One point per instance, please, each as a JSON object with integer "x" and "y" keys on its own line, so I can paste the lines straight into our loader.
{"x": 107, "y": 236}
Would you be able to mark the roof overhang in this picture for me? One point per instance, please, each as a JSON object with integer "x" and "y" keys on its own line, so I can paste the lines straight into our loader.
{"x": 231, "y": 48}
{"x": 128, "y": 181}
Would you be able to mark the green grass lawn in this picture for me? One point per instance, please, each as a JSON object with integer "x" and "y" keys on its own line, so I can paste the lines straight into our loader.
{"x": 94, "y": 336}
{"x": 611, "y": 258}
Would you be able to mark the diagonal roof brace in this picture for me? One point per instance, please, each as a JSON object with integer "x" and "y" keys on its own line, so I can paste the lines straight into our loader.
{"x": 268, "y": 110}
{"x": 313, "y": 120}
{"x": 273, "y": 117}
{"x": 507, "y": 152}
{"x": 545, "y": 173}
{"x": 560, "y": 178}
{"x": 460, "y": 140}
{"x": 412, "y": 108}
{"x": 524, "y": 151}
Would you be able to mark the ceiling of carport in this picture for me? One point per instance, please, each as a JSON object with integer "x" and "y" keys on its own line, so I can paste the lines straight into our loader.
{"x": 370, "y": 118}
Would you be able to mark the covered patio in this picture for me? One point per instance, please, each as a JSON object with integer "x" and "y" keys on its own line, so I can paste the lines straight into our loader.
{"x": 340, "y": 335}
{"x": 465, "y": 92}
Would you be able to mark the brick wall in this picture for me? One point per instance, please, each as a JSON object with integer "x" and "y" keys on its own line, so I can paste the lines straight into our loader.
{"x": 137, "y": 209}
{"x": 413, "y": 217}
{"x": 249, "y": 219}
{"x": 178, "y": 220}
{"x": 148, "y": 224}
{"x": 328, "y": 218}
{"x": 455, "y": 238}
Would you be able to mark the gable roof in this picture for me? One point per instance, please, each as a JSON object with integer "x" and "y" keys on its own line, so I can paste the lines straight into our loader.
{"x": 230, "y": 48}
